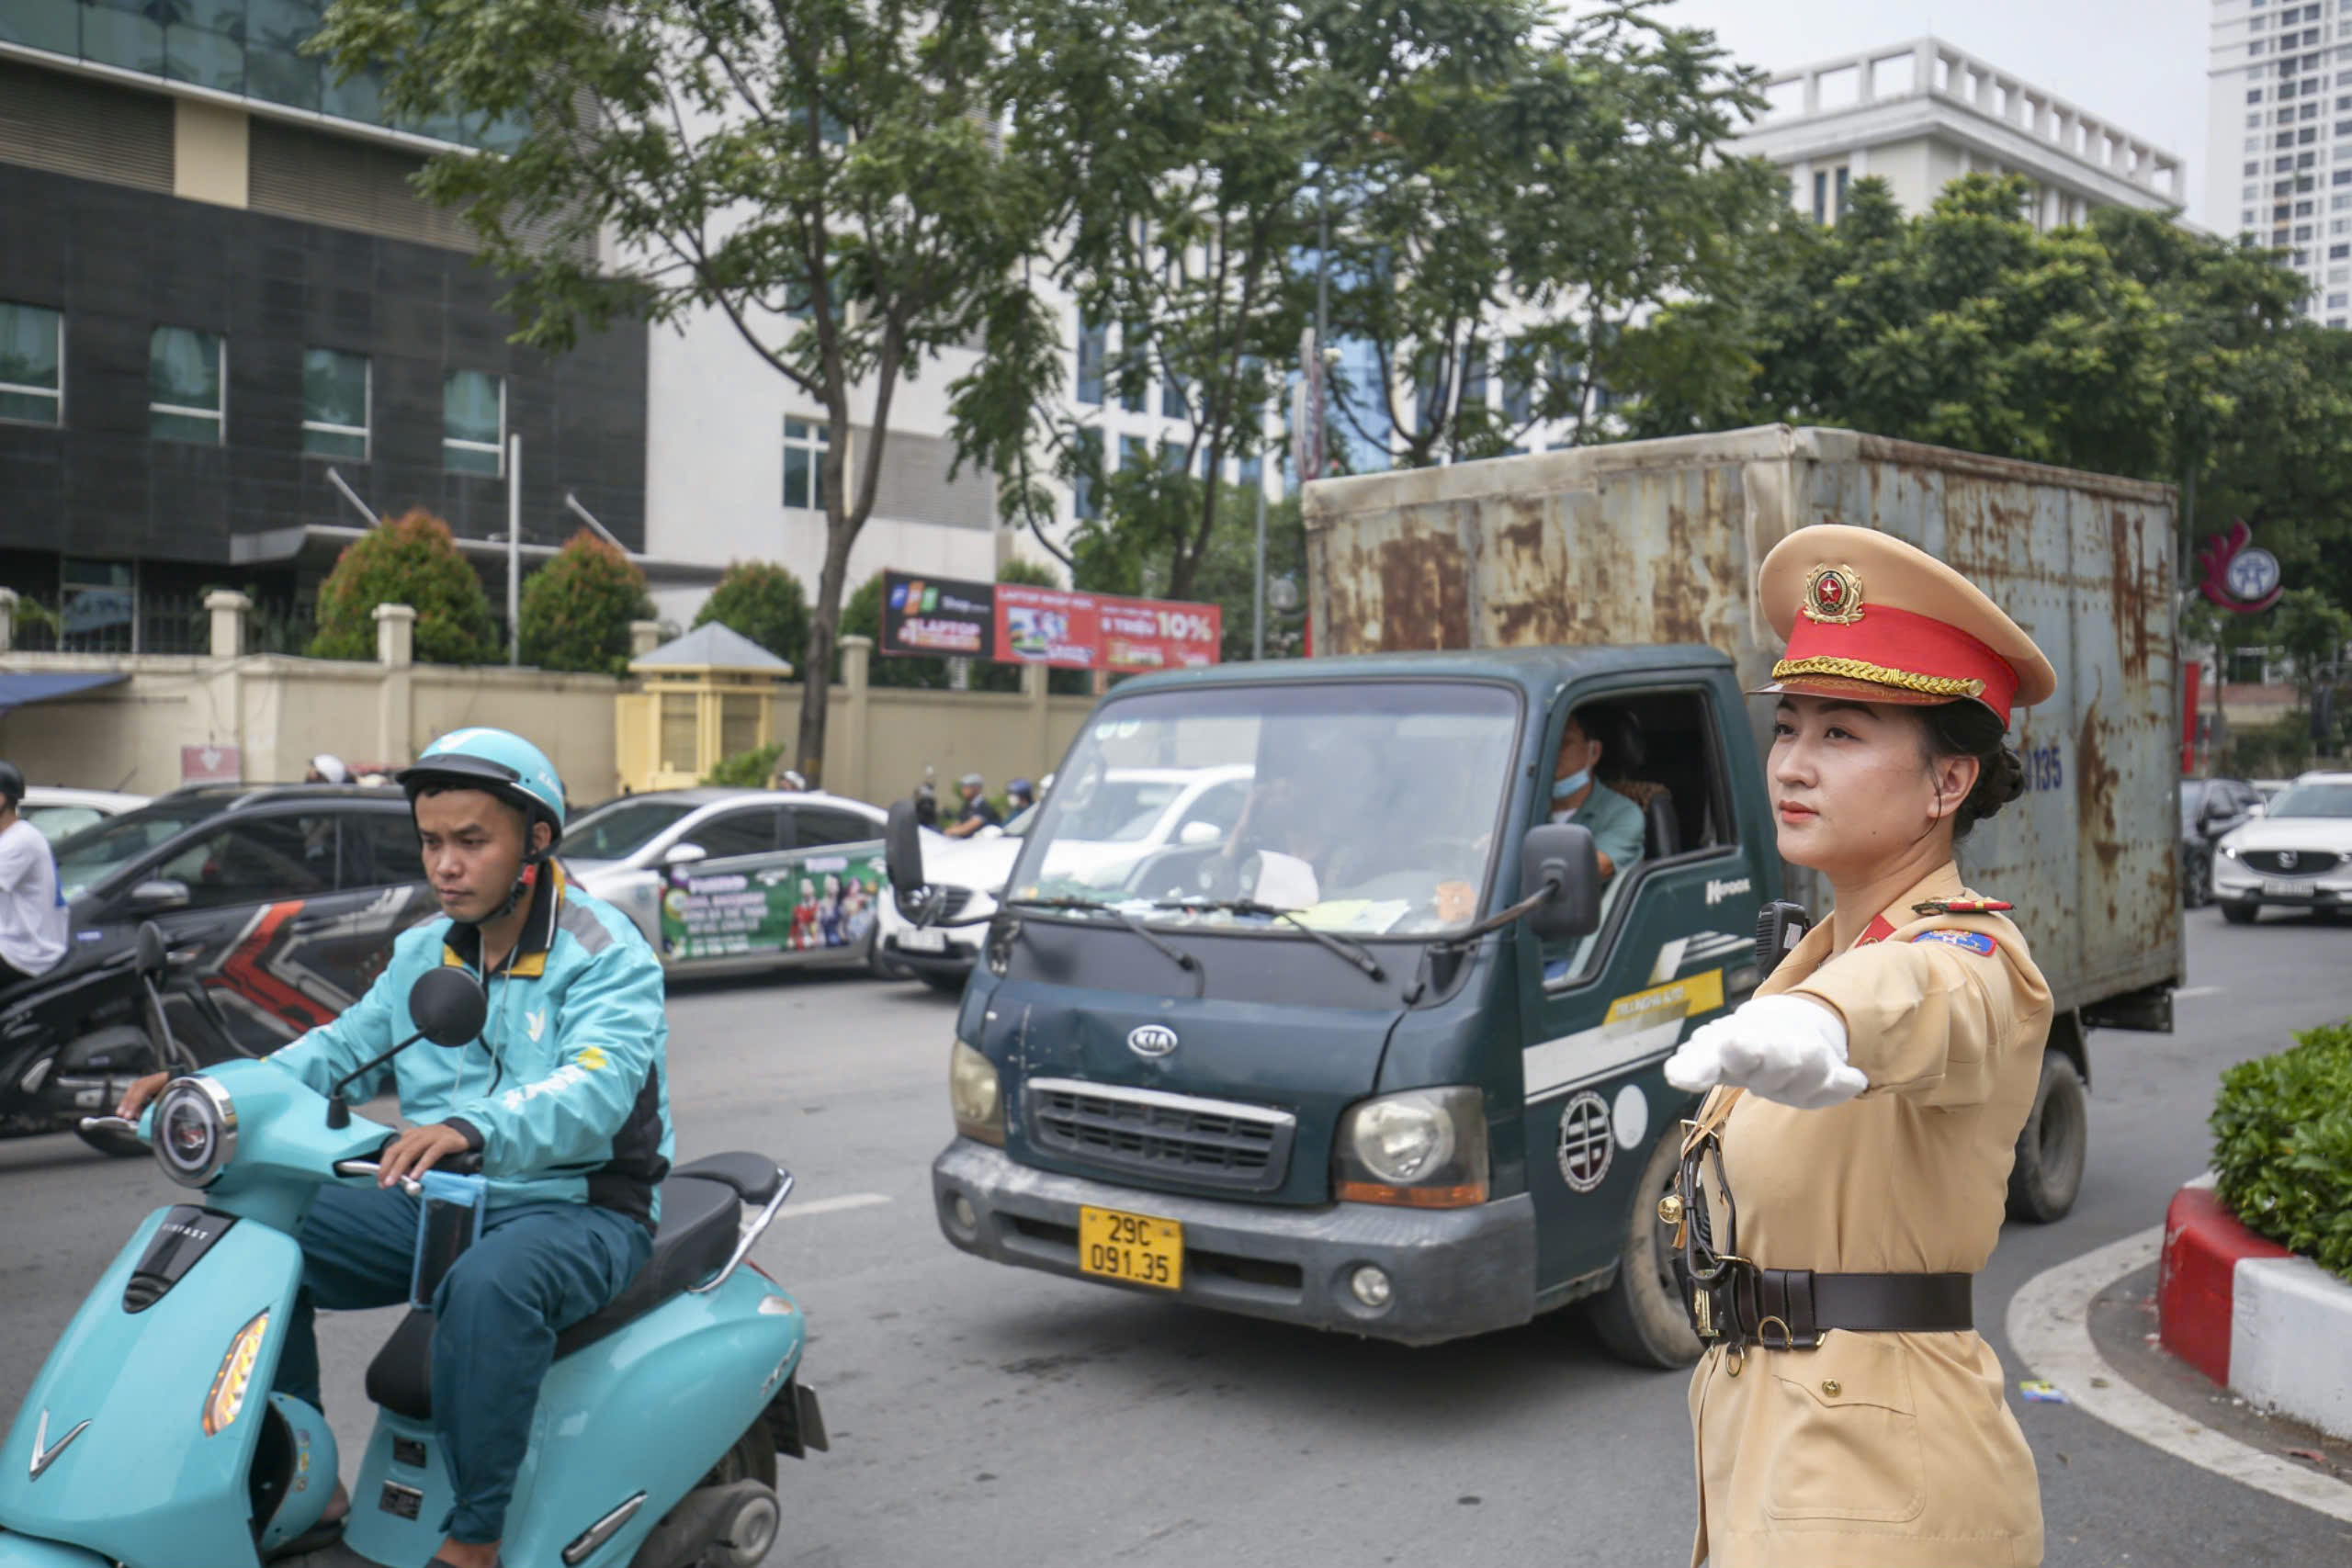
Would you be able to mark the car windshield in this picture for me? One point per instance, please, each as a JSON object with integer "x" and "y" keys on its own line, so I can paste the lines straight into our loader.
{"x": 1366, "y": 808}
{"x": 2313, "y": 800}
{"x": 620, "y": 829}
{"x": 99, "y": 850}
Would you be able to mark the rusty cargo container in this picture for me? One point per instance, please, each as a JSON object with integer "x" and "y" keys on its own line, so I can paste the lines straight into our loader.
{"x": 1657, "y": 542}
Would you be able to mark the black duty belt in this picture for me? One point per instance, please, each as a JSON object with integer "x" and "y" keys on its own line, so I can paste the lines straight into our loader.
{"x": 1734, "y": 1301}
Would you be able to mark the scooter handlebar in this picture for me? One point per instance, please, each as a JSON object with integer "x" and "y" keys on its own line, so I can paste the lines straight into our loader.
{"x": 467, "y": 1164}
{"x": 110, "y": 1124}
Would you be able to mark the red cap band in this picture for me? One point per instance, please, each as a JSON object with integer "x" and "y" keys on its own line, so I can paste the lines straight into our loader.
{"x": 1900, "y": 643}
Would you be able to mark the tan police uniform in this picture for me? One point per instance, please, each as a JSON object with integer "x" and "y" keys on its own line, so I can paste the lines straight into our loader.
{"x": 1875, "y": 1447}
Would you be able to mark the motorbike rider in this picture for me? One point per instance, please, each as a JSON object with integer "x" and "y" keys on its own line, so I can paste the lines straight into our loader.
{"x": 32, "y": 913}
{"x": 565, "y": 1096}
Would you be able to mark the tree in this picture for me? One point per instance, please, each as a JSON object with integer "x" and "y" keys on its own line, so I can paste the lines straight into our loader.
{"x": 766, "y": 604}
{"x": 409, "y": 560}
{"x": 576, "y": 609}
{"x": 826, "y": 175}
{"x": 1496, "y": 240}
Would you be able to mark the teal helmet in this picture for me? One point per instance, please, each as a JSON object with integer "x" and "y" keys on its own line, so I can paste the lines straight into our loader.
{"x": 499, "y": 762}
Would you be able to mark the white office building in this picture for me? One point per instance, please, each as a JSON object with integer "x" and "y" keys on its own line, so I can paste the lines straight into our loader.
{"x": 1921, "y": 114}
{"x": 2278, "y": 142}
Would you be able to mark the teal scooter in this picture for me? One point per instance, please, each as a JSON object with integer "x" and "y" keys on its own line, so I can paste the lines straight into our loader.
{"x": 151, "y": 1439}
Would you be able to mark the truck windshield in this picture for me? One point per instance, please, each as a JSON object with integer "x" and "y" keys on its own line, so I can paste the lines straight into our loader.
{"x": 1365, "y": 809}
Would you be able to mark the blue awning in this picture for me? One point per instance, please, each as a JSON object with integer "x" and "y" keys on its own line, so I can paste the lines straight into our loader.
{"x": 16, "y": 691}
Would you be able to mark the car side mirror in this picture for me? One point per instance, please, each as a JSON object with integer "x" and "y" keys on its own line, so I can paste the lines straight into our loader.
{"x": 683, "y": 854}
{"x": 902, "y": 854}
{"x": 155, "y": 897}
{"x": 448, "y": 1006}
{"x": 1561, "y": 854}
{"x": 1194, "y": 835}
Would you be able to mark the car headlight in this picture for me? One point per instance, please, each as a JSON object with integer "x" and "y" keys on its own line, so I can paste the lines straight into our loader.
{"x": 195, "y": 1131}
{"x": 976, "y": 1094}
{"x": 1425, "y": 1148}
{"x": 2229, "y": 851}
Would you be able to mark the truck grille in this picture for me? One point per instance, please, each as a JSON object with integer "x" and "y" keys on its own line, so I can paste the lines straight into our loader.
{"x": 2289, "y": 862}
{"x": 1208, "y": 1142}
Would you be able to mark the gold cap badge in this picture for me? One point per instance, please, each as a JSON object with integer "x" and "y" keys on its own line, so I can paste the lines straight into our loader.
{"x": 1833, "y": 595}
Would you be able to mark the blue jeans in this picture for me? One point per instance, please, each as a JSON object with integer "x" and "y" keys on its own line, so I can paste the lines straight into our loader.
{"x": 538, "y": 1268}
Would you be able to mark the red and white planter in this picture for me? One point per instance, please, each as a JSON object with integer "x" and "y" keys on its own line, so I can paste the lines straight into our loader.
{"x": 2274, "y": 1328}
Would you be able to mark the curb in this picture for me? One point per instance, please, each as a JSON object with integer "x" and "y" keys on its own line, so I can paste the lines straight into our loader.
{"x": 2270, "y": 1327}
{"x": 2049, "y": 1332}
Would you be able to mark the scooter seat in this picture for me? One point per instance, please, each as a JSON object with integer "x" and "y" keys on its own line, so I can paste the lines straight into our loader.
{"x": 696, "y": 1237}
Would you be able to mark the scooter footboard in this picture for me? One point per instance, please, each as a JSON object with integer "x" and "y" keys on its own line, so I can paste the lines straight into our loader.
{"x": 638, "y": 1418}
{"x": 28, "y": 1551}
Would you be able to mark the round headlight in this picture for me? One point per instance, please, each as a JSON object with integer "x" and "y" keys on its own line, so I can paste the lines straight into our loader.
{"x": 196, "y": 1130}
{"x": 1401, "y": 1140}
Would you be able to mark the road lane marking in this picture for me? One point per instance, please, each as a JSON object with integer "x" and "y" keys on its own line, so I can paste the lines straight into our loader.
{"x": 833, "y": 1205}
{"x": 2190, "y": 993}
{"x": 2049, "y": 1325}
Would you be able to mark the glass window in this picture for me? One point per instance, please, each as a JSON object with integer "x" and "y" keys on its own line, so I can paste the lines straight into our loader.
{"x": 1135, "y": 380}
{"x": 58, "y": 823}
{"x": 748, "y": 831}
{"x": 185, "y": 372}
{"x": 255, "y": 861}
{"x": 618, "y": 831}
{"x": 2313, "y": 800}
{"x": 99, "y": 599}
{"x": 822, "y": 826}
{"x": 1133, "y": 453}
{"x": 334, "y": 403}
{"x": 1842, "y": 174}
{"x": 379, "y": 849}
{"x": 1090, "y": 361}
{"x": 194, "y": 51}
{"x": 32, "y": 364}
{"x": 473, "y": 423}
{"x": 804, "y": 458}
{"x": 1171, "y": 399}
{"x": 276, "y": 68}
{"x": 119, "y": 842}
{"x": 113, "y": 37}
{"x": 1821, "y": 196}
{"x": 1086, "y": 474}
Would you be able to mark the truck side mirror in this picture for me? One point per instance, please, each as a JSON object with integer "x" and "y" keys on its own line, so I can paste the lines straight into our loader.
{"x": 902, "y": 853}
{"x": 1561, "y": 854}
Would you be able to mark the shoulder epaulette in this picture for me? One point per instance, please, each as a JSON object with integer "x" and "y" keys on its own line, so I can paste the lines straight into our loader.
{"x": 1963, "y": 907}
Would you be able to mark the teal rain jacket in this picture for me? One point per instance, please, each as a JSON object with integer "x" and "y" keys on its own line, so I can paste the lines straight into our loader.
{"x": 565, "y": 1092}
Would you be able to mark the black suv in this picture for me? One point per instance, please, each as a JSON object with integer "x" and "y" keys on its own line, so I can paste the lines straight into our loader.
{"x": 290, "y": 897}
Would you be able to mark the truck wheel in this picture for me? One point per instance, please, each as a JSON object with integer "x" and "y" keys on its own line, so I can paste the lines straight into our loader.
{"x": 2241, "y": 911}
{"x": 1640, "y": 1317}
{"x": 2049, "y": 1169}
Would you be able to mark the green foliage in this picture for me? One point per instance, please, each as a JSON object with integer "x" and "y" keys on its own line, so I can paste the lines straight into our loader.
{"x": 2282, "y": 1145}
{"x": 766, "y": 604}
{"x": 2277, "y": 751}
{"x": 409, "y": 560}
{"x": 746, "y": 769}
{"x": 829, "y": 178}
{"x": 576, "y": 609}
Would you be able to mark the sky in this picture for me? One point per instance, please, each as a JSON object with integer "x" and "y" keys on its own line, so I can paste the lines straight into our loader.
{"x": 2140, "y": 63}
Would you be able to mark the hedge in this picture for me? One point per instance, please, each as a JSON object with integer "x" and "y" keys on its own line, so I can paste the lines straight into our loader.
{"x": 408, "y": 560}
{"x": 576, "y": 609}
{"x": 2282, "y": 1145}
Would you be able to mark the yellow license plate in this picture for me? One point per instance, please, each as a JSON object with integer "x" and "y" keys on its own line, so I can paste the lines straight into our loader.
{"x": 1136, "y": 1248}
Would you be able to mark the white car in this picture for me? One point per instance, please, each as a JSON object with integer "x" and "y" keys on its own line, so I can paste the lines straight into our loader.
{"x": 723, "y": 881}
{"x": 1137, "y": 812}
{"x": 969, "y": 874}
{"x": 2296, "y": 855}
{"x": 60, "y": 812}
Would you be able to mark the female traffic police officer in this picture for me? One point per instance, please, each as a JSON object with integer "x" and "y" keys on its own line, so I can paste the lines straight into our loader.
{"x": 1846, "y": 1176}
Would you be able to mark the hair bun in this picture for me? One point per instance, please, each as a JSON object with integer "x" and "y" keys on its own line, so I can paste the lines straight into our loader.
{"x": 2008, "y": 777}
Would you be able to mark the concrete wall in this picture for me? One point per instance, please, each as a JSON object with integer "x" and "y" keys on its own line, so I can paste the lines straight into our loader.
{"x": 281, "y": 711}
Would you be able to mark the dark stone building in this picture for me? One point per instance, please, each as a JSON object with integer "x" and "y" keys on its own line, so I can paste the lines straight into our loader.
{"x": 212, "y": 312}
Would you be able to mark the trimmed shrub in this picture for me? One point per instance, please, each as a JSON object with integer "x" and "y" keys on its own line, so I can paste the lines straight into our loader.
{"x": 576, "y": 609}
{"x": 409, "y": 560}
{"x": 2282, "y": 1145}
{"x": 766, "y": 604}
{"x": 746, "y": 769}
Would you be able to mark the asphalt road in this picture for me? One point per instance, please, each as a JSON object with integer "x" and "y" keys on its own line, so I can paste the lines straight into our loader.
{"x": 985, "y": 1416}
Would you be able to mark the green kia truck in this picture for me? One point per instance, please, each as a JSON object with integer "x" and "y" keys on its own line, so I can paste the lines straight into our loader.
{"x": 1374, "y": 1045}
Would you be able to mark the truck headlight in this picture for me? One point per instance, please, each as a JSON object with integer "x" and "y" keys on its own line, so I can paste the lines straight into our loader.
{"x": 976, "y": 1094}
{"x": 1425, "y": 1148}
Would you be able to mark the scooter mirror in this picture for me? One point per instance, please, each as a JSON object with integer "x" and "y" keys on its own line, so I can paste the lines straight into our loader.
{"x": 902, "y": 851}
{"x": 153, "y": 954}
{"x": 448, "y": 1006}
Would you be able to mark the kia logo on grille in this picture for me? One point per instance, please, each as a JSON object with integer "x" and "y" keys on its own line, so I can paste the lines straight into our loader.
{"x": 1151, "y": 1040}
{"x": 2286, "y": 859}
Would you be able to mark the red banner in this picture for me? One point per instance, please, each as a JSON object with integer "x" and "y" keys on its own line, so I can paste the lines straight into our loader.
{"x": 1013, "y": 623}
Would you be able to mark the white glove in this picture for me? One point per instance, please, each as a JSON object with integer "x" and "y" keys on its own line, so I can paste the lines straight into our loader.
{"x": 1784, "y": 1048}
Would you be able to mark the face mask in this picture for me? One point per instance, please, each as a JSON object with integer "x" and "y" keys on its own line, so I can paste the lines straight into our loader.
{"x": 1563, "y": 788}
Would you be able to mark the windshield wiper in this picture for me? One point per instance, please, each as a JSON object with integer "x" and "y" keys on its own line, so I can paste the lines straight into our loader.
{"x": 1177, "y": 955}
{"x": 1355, "y": 952}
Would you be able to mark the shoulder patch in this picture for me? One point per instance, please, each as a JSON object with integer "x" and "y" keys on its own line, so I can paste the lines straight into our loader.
{"x": 1976, "y": 942}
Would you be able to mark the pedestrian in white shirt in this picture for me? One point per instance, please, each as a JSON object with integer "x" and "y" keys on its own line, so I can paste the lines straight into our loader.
{"x": 32, "y": 914}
